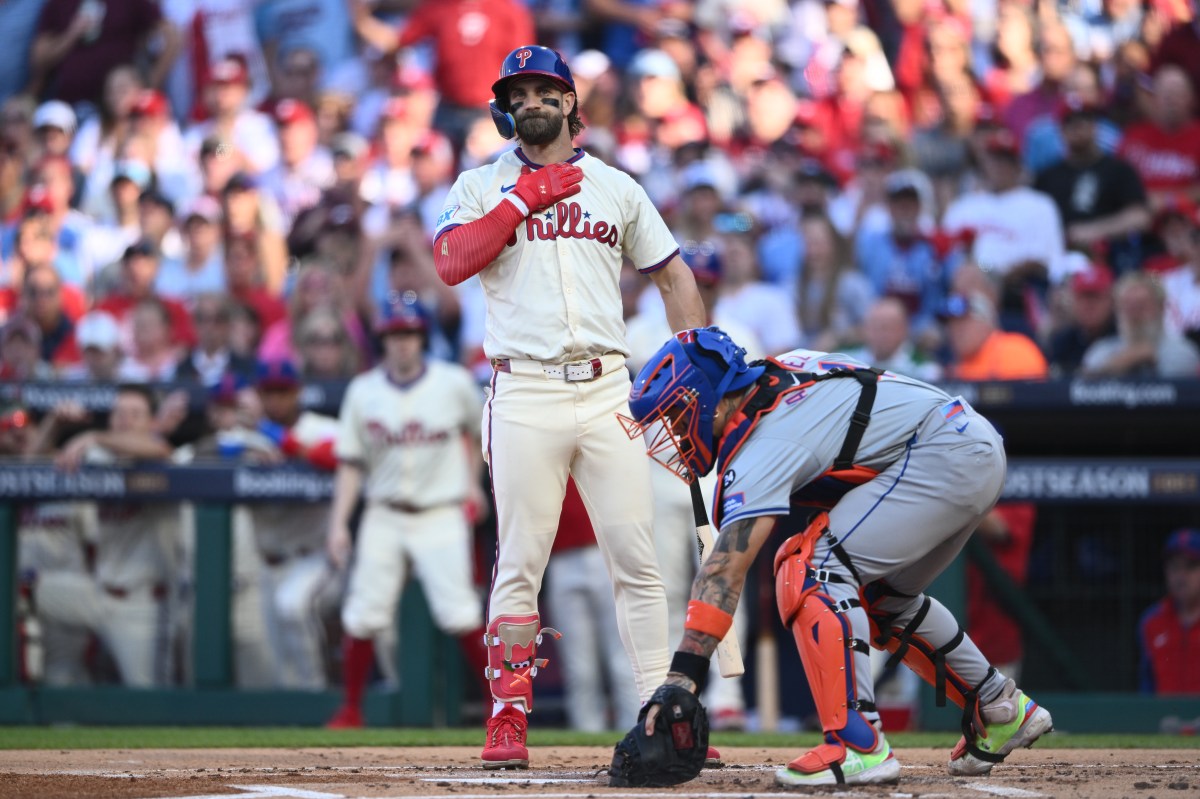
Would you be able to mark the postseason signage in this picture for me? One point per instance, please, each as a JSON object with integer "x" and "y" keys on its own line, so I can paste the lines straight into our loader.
{"x": 158, "y": 483}
{"x": 1059, "y": 481}
{"x": 1093, "y": 481}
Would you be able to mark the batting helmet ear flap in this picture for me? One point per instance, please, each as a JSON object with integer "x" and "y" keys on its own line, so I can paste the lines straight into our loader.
{"x": 506, "y": 126}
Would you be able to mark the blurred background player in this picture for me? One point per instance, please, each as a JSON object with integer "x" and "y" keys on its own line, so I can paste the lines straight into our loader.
{"x": 233, "y": 412}
{"x": 297, "y": 584}
{"x": 128, "y": 598}
{"x": 1169, "y": 632}
{"x": 407, "y": 443}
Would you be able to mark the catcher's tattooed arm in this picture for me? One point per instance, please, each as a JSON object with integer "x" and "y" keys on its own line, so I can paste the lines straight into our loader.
{"x": 720, "y": 580}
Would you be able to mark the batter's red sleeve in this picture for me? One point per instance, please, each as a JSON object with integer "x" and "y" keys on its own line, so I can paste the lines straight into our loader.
{"x": 463, "y": 251}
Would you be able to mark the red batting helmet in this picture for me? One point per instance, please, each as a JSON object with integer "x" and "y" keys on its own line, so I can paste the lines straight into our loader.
{"x": 530, "y": 59}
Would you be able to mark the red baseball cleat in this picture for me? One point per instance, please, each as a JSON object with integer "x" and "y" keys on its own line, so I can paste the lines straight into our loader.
{"x": 713, "y": 758}
{"x": 347, "y": 718}
{"x": 506, "y": 740}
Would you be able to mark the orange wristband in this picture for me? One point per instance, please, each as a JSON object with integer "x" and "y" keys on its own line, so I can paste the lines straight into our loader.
{"x": 707, "y": 619}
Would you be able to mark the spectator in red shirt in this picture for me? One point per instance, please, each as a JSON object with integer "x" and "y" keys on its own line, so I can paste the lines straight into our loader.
{"x": 1169, "y": 632}
{"x": 139, "y": 268}
{"x": 245, "y": 280}
{"x": 34, "y": 247}
{"x": 1165, "y": 149}
{"x": 465, "y": 33}
{"x": 79, "y": 42}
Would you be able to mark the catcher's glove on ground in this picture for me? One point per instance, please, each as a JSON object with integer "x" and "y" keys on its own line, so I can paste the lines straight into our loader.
{"x": 673, "y": 754}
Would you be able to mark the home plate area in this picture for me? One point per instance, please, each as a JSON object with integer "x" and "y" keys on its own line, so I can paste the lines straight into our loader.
{"x": 557, "y": 773}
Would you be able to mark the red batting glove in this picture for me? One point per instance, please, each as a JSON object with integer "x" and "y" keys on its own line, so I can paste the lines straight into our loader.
{"x": 541, "y": 189}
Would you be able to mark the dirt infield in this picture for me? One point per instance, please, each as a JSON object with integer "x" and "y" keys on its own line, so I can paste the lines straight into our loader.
{"x": 558, "y": 773}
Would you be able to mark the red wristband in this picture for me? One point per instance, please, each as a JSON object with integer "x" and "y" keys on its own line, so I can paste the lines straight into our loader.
{"x": 707, "y": 619}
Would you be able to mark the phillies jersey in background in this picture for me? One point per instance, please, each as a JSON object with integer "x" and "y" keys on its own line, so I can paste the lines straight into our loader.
{"x": 409, "y": 438}
{"x": 1166, "y": 161}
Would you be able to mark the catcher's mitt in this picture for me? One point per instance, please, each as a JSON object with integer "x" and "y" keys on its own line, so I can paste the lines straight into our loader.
{"x": 673, "y": 754}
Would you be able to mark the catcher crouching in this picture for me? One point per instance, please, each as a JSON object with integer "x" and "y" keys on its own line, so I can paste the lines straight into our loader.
{"x": 898, "y": 475}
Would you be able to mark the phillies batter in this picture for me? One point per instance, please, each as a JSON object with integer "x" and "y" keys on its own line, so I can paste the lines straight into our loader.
{"x": 898, "y": 473}
{"x": 409, "y": 431}
{"x": 546, "y": 227}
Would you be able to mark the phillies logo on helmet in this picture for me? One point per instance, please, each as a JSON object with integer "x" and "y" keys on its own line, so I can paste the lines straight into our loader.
{"x": 522, "y": 57}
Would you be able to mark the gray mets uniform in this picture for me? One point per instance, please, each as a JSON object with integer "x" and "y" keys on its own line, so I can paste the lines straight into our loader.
{"x": 928, "y": 468}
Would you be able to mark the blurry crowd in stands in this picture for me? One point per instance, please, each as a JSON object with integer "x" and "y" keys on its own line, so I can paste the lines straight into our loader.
{"x": 193, "y": 186}
{"x": 230, "y": 191}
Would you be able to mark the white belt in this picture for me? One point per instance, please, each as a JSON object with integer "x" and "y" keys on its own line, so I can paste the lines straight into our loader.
{"x": 573, "y": 372}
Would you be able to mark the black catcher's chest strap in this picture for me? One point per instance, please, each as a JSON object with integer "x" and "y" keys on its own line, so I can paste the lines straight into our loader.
{"x": 778, "y": 380}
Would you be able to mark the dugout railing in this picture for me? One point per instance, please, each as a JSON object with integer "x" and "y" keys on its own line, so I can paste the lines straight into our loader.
{"x": 1112, "y": 466}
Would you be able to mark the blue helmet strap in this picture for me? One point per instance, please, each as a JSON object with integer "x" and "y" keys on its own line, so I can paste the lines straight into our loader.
{"x": 506, "y": 126}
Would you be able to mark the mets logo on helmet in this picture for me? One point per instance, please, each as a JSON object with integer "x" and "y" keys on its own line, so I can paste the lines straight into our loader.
{"x": 522, "y": 57}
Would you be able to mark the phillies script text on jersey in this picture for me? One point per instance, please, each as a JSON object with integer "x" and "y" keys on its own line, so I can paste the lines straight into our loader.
{"x": 570, "y": 222}
{"x": 411, "y": 433}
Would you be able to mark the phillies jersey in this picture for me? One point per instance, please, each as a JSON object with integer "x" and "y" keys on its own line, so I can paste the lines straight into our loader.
{"x": 1164, "y": 160}
{"x": 409, "y": 438}
{"x": 553, "y": 292}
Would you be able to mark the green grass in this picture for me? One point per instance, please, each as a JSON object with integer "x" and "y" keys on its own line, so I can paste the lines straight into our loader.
{"x": 72, "y": 737}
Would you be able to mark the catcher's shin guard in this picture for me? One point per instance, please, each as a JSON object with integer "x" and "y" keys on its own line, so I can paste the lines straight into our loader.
{"x": 827, "y": 647}
{"x": 912, "y": 645}
{"x": 512, "y": 643}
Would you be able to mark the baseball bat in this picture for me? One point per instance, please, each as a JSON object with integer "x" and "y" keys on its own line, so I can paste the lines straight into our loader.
{"x": 766, "y": 652}
{"x": 729, "y": 652}
{"x": 766, "y": 692}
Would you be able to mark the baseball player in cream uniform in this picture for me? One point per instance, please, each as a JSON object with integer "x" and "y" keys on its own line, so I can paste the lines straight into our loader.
{"x": 51, "y": 540}
{"x": 546, "y": 227}
{"x": 408, "y": 442}
{"x": 297, "y": 585}
{"x": 128, "y": 599}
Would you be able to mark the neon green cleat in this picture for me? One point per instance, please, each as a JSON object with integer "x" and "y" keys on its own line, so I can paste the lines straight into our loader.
{"x": 833, "y": 764}
{"x": 1009, "y": 721}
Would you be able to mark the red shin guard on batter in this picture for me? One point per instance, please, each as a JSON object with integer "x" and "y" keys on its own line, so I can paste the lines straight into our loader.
{"x": 827, "y": 647}
{"x": 512, "y": 643}
{"x": 909, "y": 644}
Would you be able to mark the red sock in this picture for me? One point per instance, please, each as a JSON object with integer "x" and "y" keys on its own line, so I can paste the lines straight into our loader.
{"x": 475, "y": 653}
{"x": 357, "y": 656}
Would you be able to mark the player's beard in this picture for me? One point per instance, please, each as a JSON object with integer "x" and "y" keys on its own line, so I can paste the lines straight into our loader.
{"x": 539, "y": 128}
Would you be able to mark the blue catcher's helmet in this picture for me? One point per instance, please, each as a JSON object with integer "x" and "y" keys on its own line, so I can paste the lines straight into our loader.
{"x": 674, "y": 398}
{"x": 403, "y": 314}
{"x": 530, "y": 59}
